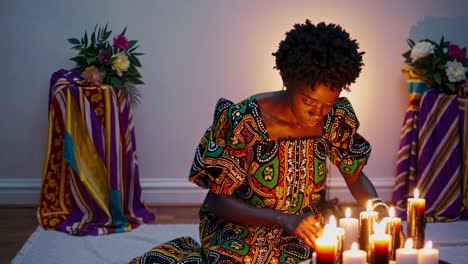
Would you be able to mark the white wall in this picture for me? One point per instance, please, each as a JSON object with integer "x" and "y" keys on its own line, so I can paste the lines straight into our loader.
{"x": 196, "y": 52}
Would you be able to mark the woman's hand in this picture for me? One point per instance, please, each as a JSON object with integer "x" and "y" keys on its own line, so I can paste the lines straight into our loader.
{"x": 308, "y": 228}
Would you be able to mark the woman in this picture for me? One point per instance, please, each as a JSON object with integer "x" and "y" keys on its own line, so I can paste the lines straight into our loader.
{"x": 264, "y": 159}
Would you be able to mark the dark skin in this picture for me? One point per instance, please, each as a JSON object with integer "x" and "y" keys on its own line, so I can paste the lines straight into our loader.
{"x": 297, "y": 112}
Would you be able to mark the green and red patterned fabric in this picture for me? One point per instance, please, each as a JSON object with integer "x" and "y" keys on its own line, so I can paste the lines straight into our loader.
{"x": 236, "y": 157}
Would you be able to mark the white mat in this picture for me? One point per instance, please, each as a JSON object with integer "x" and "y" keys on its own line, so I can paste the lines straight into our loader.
{"x": 57, "y": 247}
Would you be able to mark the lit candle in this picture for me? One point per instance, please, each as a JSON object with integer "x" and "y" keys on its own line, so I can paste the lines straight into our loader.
{"x": 407, "y": 255}
{"x": 416, "y": 219}
{"x": 393, "y": 228}
{"x": 366, "y": 226}
{"x": 428, "y": 255}
{"x": 379, "y": 244}
{"x": 339, "y": 233}
{"x": 354, "y": 255}
{"x": 350, "y": 226}
{"x": 325, "y": 247}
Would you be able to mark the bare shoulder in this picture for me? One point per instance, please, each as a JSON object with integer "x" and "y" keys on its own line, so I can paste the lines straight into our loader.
{"x": 267, "y": 100}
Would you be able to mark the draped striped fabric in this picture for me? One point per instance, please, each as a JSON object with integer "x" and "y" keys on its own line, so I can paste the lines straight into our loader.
{"x": 431, "y": 155}
{"x": 90, "y": 183}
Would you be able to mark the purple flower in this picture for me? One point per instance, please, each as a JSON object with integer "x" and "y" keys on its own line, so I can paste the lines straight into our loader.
{"x": 456, "y": 53}
{"x": 104, "y": 57}
{"x": 121, "y": 42}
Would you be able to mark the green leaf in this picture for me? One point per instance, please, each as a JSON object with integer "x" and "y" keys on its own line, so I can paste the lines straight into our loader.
{"x": 137, "y": 54}
{"x": 86, "y": 39}
{"x": 123, "y": 31}
{"x": 134, "y": 61}
{"x": 452, "y": 87}
{"x": 437, "y": 78}
{"x": 116, "y": 82}
{"x": 74, "y": 41}
{"x": 131, "y": 43}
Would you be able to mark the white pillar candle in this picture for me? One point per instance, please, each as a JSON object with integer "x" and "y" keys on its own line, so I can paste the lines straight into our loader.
{"x": 354, "y": 255}
{"x": 351, "y": 228}
{"x": 428, "y": 255}
{"x": 407, "y": 255}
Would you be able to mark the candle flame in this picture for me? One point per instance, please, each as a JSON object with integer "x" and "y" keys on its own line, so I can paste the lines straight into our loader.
{"x": 391, "y": 213}
{"x": 332, "y": 221}
{"x": 379, "y": 228}
{"x": 428, "y": 245}
{"x": 348, "y": 212}
{"x": 369, "y": 206}
{"x": 327, "y": 230}
{"x": 416, "y": 193}
{"x": 409, "y": 243}
{"x": 354, "y": 247}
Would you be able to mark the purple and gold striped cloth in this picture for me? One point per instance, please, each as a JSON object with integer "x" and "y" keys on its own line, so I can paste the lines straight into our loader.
{"x": 90, "y": 183}
{"x": 433, "y": 154}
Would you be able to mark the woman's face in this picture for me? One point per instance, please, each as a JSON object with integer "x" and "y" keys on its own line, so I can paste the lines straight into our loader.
{"x": 309, "y": 106}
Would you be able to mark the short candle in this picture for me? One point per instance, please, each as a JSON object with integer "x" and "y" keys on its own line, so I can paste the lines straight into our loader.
{"x": 325, "y": 247}
{"x": 354, "y": 255}
{"x": 428, "y": 255}
{"x": 407, "y": 255}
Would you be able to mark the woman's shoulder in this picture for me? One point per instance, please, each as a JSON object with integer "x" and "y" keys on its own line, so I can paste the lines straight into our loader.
{"x": 236, "y": 116}
{"x": 341, "y": 122}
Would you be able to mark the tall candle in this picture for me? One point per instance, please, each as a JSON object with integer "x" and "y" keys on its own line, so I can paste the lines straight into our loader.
{"x": 428, "y": 255}
{"x": 325, "y": 247}
{"x": 354, "y": 255}
{"x": 416, "y": 219}
{"x": 407, "y": 255}
{"x": 366, "y": 225}
{"x": 350, "y": 226}
{"x": 340, "y": 235}
{"x": 379, "y": 244}
{"x": 393, "y": 228}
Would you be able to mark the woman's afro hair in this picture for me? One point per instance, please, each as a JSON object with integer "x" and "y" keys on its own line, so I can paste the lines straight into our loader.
{"x": 319, "y": 53}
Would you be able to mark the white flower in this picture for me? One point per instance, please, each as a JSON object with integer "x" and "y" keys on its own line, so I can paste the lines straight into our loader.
{"x": 121, "y": 63}
{"x": 455, "y": 71}
{"x": 421, "y": 50}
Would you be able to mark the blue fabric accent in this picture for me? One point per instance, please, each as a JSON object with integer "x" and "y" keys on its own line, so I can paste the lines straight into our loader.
{"x": 118, "y": 217}
{"x": 417, "y": 87}
{"x": 68, "y": 153}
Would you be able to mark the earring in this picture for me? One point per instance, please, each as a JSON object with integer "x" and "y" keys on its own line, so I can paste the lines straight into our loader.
{"x": 283, "y": 88}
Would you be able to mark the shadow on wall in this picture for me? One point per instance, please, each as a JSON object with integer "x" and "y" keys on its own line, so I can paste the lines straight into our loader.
{"x": 452, "y": 28}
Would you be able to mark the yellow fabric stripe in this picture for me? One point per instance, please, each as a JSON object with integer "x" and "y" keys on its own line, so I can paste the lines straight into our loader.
{"x": 90, "y": 167}
{"x": 107, "y": 120}
{"x": 465, "y": 157}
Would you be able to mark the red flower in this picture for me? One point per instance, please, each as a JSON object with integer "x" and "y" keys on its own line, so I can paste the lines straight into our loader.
{"x": 456, "y": 53}
{"x": 104, "y": 57}
{"x": 121, "y": 42}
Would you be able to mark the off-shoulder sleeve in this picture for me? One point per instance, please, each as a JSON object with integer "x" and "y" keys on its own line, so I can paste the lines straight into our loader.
{"x": 349, "y": 151}
{"x": 221, "y": 158}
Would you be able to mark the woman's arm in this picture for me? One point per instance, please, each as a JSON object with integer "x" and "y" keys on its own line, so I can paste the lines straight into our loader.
{"x": 362, "y": 190}
{"x": 306, "y": 227}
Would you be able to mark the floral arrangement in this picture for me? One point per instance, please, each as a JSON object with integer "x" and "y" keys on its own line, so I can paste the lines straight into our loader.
{"x": 103, "y": 62}
{"x": 442, "y": 65}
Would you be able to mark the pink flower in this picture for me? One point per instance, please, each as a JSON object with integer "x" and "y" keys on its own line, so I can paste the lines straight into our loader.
{"x": 456, "y": 53}
{"x": 104, "y": 57}
{"x": 121, "y": 42}
{"x": 92, "y": 76}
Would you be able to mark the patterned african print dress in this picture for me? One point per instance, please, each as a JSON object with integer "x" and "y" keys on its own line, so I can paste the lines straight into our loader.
{"x": 236, "y": 157}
